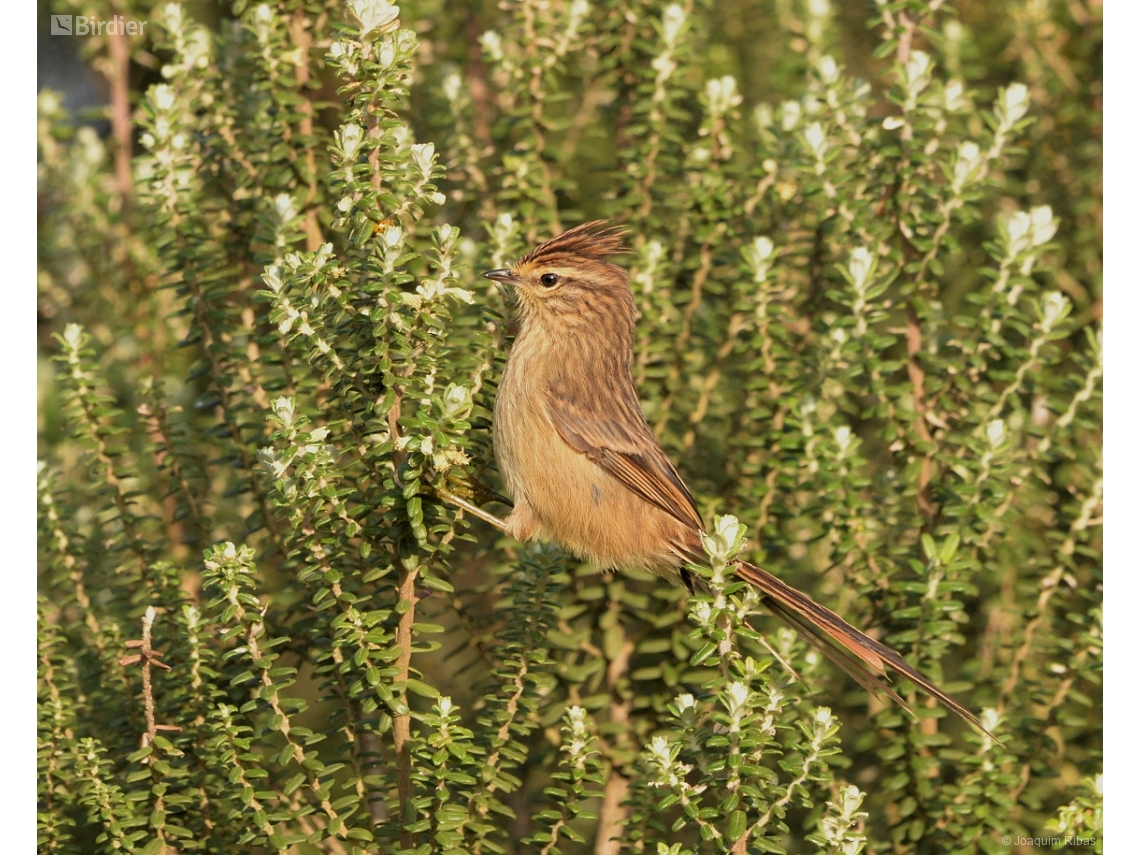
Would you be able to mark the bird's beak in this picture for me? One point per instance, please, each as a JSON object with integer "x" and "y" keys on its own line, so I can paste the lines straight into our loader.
{"x": 502, "y": 275}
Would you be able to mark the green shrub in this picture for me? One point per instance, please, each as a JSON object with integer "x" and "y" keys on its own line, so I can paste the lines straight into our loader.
{"x": 866, "y": 248}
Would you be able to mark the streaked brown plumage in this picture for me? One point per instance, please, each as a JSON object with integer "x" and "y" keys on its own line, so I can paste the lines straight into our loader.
{"x": 582, "y": 466}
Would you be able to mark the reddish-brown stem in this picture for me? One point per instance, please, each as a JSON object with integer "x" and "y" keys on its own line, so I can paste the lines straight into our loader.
{"x": 118, "y": 76}
{"x": 402, "y": 724}
{"x": 918, "y": 383}
{"x": 302, "y": 36}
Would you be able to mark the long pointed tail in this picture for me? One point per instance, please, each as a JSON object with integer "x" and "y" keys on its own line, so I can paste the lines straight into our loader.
{"x": 855, "y": 652}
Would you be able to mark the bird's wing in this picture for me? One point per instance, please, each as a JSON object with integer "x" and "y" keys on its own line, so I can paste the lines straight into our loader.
{"x": 612, "y": 432}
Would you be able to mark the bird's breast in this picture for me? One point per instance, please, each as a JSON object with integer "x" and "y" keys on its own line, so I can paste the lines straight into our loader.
{"x": 570, "y": 498}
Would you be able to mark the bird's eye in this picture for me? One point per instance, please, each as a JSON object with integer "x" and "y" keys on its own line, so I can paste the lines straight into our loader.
{"x": 549, "y": 280}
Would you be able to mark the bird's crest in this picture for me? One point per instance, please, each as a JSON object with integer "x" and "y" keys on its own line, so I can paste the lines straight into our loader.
{"x": 595, "y": 241}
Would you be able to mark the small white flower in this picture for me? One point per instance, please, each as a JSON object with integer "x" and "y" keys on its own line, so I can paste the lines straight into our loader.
{"x": 816, "y": 140}
{"x": 653, "y": 252}
{"x": 728, "y": 535}
{"x": 995, "y": 432}
{"x": 671, "y": 23}
{"x": 272, "y": 278}
{"x": 374, "y": 15}
{"x": 722, "y": 95}
{"x": 263, "y": 22}
{"x": 952, "y": 96}
{"x": 424, "y": 155}
{"x": 73, "y": 336}
{"x": 843, "y": 439}
{"x": 290, "y": 317}
{"x": 1054, "y": 308}
{"x": 386, "y": 55}
{"x": 1012, "y": 105}
{"x": 162, "y": 97}
{"x": 392, "y": 237}
{"x": 664, "y": 65}
{"x": 1043, "y": 223}
{"x": 575, "y": 15}
{"x": 1018, "y": 228}
{"x": 456, "y": 401}
{"x": 284, "y": 207}
{"x": 763, "y": 248}
{"x": 738, "y": 694}
{"x": 828, "y": 70}
{"x": 736, "y": 698}
{"x": 452, "y": 84}
{"x": 172, "y": 16}
{"x": 702, "y": 613}
{"x": 402, "y": 137}
{"x": 819, "y": 8}
{"x": 918, "y": 71}
{"x": 860, "y": 266}
{"x": 283, "y": 409}
{"x": 966, "y": 164}
{"x": 791, "y": 111}
{"x": 435, "y": 289}
{"x": 48, "y": 102}
{"x": 758, "y": 255}
{"x": 659, "y": 748}
{"x": 349, "y": 137}
{"x": 852, "y": 799}
{"x": 492, "y": 44}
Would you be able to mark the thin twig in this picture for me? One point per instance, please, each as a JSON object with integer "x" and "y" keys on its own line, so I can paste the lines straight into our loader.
{"x": 474, "y": 510}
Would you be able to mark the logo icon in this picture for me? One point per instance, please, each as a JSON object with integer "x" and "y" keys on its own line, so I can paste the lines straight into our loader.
{"x": 61, "y": 25}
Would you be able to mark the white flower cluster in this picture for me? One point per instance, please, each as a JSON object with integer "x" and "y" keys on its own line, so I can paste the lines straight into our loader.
{"x": 672, "y": 21}
{"x": 662, "y": 755}
{"x": 1025, "y": 231}
{"x": 578, "y": 736}
{"x": 759, "y": 255}
{"x": 722, "y": 95}
{"x": 838, "y": 825}
{"x": 651, "y": 254}
{"x": 374, "y": 15}
{"x": 725, "y": 540}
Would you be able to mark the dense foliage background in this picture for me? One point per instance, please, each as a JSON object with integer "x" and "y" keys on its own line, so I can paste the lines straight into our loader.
{"x": 866, "y": 249}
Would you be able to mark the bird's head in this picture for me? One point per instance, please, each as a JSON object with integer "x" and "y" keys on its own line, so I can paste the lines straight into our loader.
{"x": 568, "y": 279}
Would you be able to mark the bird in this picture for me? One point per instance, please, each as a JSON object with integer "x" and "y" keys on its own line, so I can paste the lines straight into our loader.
{"x": 583, "y": 468}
